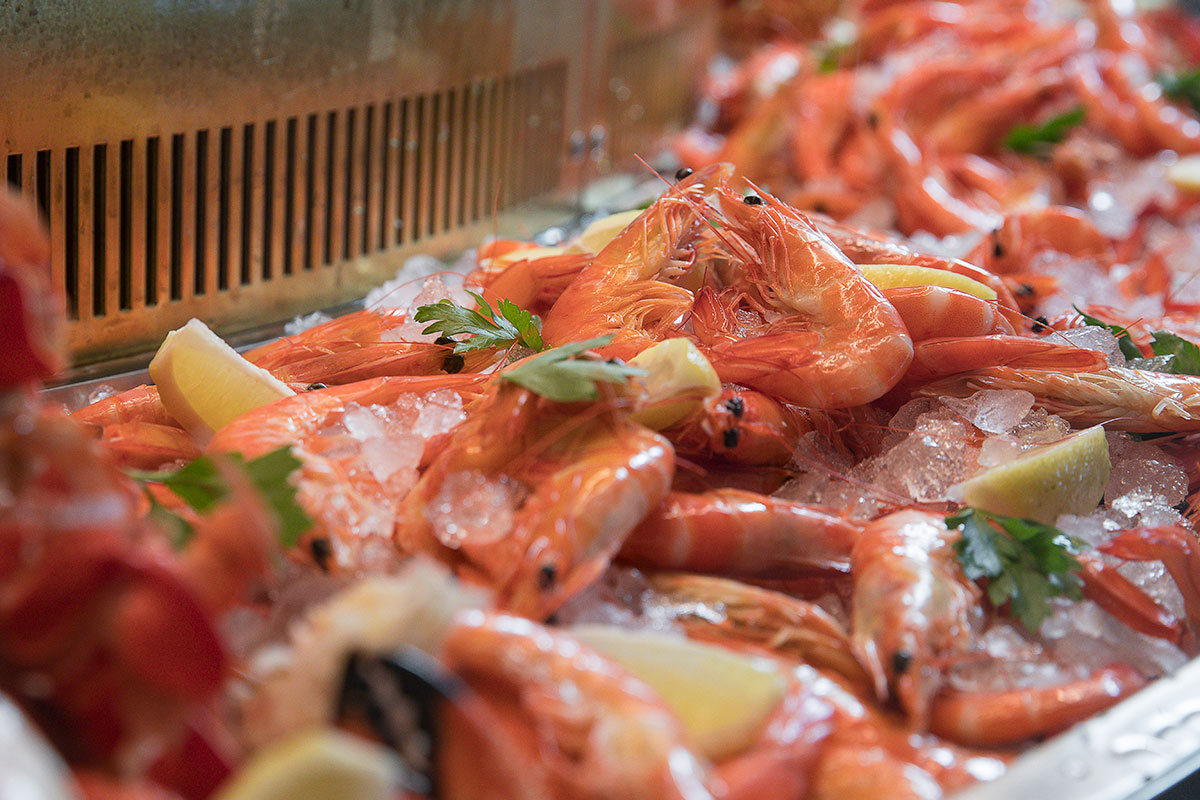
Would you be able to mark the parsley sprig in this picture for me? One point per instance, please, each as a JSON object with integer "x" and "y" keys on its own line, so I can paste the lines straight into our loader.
{"x": 507, "y": 325}
{"x": 566, "y": 375}
{"x": 201, "y": 485}
{"x": 1182, "y": 86}
{"x": 1035, "y": 140}
{"x": 1184, "y": 355}
{"x": 1026, "y": 563}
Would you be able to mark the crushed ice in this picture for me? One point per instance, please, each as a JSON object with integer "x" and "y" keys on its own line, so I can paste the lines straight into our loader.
{"x": 475, "y": 508}
{"x": 378, "y": 448}
{"x": 306, "y": 321}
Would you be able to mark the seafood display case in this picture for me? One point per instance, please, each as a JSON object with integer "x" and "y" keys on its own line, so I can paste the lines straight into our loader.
{"x": 248, "y": 161}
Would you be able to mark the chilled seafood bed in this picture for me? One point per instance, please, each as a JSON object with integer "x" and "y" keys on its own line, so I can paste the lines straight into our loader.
{"x": 861, "y": 461}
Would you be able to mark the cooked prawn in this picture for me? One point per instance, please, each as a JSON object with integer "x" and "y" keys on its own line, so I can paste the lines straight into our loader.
{"x": 532, "y": 498}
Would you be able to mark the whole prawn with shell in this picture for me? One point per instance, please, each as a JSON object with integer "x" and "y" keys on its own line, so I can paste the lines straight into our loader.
{"x": 770, "y": 300}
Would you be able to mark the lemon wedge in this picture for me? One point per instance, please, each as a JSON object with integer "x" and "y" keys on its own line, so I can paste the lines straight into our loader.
{"x": 678, "y": 380}
{"x": 204, "y": 383}
{"x": 1064, "y": 477}
{"x": 895, "y": 276}
{"x": 1185, "y": 173}
{"x": 525, "y": 254}
{"x": 721, "y": 697}
{"x": 602, "y": 231}
{"x": 315, "y": 765}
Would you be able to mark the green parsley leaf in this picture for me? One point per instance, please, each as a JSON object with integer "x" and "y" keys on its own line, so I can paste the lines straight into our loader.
{"x": 1182, "y": 86}
{"x": 201, "y": 485}
{"x": 1034, "y": 140}
{"x": 562, "y": 376}
{"x": 1026, "y": 563}
{"x": 831, "y": 58}
{"x": 509, "y": 326}
{"x": 1185, "y": 356}
{"x": 1128, "y": 348}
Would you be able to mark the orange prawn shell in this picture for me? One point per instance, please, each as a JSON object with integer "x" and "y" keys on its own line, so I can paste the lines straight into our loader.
{"x": 589, "y": 475}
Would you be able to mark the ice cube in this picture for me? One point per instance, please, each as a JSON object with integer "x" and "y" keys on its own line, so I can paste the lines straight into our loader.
{"x": 993, "y": 410}
{"x": 1081, "y": 282}
{"x": 362, "y": 423}
{"x": 1040, "y": 427}
{"x": 1092, "y": 337}
{"x": 937, "y": 455}
{"x": 997, "y": 450}
{"x": 441, "y": 411}
{"x": 386, "y": 457}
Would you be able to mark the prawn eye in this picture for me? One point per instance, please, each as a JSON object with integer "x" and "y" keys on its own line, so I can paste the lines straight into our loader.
{"x": 752, "y": 200}
{"x": 312, "y": 387}
{"x": 998, "y": 250}
{"x": 683, "y": 172}
{"x": 731, "y": 437}
{"x": 736, "y": 406}
{"x": 547, "y": 575}
{"x": 1040, "y": 324}
{"x": 901, "y": 661}
{"x": 321, "y": 552}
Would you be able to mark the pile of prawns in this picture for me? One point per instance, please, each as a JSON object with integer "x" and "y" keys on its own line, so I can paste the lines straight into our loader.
{"x": 996, "y": 117}
{"x": 113, "y": 641}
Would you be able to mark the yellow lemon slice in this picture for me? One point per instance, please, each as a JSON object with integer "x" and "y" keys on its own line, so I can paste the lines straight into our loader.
{"x": 894, "y": 276}
{"x": 721, "y": 697}
{"x": 604, "y": 230}
{"x": 1065, "y": 477}
{"x": 679, "y": 379}
{"x": 1185, "y": 174}
{"x": 315, "y": 765}
{"x": 204, "y": 383}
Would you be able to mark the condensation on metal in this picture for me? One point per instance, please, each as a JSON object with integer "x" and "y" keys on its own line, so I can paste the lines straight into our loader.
{"x": 244, "y": 160}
